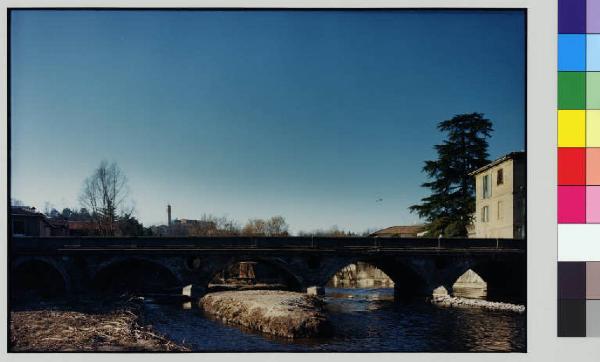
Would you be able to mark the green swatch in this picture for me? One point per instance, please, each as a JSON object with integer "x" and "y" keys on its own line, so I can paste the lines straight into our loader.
{"x": 571, "y": 90}
{"x": 593, "y": 90}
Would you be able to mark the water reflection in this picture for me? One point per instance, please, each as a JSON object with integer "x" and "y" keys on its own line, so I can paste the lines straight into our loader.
{"x": 366, "y": 320}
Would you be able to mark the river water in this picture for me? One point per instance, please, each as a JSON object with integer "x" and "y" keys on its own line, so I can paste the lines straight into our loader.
{"x": 364, "y": 320}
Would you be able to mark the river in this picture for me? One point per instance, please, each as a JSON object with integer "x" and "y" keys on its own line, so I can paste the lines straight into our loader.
{"x": 364, "y": 320}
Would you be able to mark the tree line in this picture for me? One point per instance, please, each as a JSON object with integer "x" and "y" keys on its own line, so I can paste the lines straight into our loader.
{"x": 105, "y": 205}
{"x": 448, "y": 210}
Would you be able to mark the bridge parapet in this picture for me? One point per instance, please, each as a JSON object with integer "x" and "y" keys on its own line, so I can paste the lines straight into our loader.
{"x": 266, "y": 243}
{"x": 419, "y": 265}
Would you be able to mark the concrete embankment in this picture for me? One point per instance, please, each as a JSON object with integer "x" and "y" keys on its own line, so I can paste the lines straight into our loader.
{"x": 280, "y": 313}
{"x": 457, "y": 302}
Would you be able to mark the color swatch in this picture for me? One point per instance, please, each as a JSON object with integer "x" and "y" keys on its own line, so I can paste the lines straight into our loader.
{"x": 578, "y": 299}
{"x": 578, "y": 156}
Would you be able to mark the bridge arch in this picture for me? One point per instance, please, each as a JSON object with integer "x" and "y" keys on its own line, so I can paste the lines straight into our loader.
{"x": 40, "y": 275}
{"x": 134, "y": 274}
{"x": 291, "y": 279}
{"x": 504, "y": 281}
{"x": 407, "y": 281}
{"x": 360, "y": 275}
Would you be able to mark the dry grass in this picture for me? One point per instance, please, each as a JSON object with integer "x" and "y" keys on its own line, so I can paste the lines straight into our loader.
{"x": 280, "y": 313}
{"x": 58, "y": 331}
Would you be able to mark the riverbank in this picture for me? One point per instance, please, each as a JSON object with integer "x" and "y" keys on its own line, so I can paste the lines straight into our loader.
{"x": 280, "y": 313}
{"x": 53, "y": 328}
{"x": 458, "y": 302}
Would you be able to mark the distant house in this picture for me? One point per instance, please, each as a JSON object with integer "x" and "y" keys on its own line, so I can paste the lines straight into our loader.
{"x": 184, "y": 227}
{"x": 410, "y": 231}
{"x": 82, "y": 228}
{"x": 191, "y": 227}
{"x": 500, "y": 198}
{"x": 192, "y": 222}
{"x": 160, "y": 230}
{"x": 27, "y": 221}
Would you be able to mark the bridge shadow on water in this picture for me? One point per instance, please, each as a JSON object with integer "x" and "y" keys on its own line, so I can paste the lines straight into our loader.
{"x": 364, "y": 320}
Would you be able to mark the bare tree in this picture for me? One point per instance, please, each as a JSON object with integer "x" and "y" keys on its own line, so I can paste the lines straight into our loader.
{"x": 333, "y": 231}
{"x": 104, "y": 194}
{"x": 48, "y": 208}
{"x": 229, "y": 227}
{"x": 208, "y": 225}
{"x": 224, "y": 225}
{"x": 257, "y": 227}
{"x": 275, "y": 226}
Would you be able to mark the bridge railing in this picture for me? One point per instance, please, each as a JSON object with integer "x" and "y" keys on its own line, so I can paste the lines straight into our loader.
{"x": 281, "y": 243}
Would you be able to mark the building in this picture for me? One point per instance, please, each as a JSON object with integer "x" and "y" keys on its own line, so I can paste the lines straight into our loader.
{"x": 192, "y": 222}
{"x": 410, "y": 231}
{"x": 83, "y": 228}
{"x": 27, "y": 221}
{"x": 190, "y": 227}
{"x": 184, "y": 227}
{"x": 500, "y": 198}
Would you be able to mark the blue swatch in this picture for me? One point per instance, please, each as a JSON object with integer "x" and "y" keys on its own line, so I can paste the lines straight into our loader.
{"x": 593, "y": 52}
{"x": 571, "y": 52}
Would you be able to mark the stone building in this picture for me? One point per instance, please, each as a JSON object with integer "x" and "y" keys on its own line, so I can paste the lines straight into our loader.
{"x": 500, "y": 198}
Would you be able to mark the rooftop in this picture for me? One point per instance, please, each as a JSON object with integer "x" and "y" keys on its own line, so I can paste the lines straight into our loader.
{"x": 25, "y": 211}
{"x": 510, "y": 156}
{"x": 399, "y": 230}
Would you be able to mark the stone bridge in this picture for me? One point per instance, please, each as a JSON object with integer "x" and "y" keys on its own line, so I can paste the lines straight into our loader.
{"x": 416, "y": 265}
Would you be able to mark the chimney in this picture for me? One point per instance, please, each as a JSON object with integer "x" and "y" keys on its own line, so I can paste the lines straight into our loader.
{"x": 169, "y": 215}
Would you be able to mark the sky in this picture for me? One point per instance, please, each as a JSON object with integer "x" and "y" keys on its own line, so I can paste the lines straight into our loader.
{"x": 312, "y": 115}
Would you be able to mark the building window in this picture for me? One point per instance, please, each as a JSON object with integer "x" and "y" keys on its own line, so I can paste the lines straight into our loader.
{"x": 485, "y": 214}
{"x": 487, "y": 186}
{"x": 500, "y": 177}
{"x": 500, "y": 210}
{"x": 18, "y": 227}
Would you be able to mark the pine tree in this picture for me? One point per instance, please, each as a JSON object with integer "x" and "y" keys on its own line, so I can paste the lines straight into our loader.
{"x": 449, "y": 208}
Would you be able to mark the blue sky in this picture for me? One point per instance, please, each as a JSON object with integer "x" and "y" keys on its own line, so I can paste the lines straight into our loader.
{"x": 306, "y": 114}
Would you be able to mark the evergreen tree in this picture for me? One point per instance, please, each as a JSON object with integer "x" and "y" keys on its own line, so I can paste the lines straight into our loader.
{"x": 450, "y": 206}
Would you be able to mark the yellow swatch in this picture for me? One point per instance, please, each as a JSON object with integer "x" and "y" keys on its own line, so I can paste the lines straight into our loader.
{"x": 593, "y": 128}
{"x": 571, "y": 128}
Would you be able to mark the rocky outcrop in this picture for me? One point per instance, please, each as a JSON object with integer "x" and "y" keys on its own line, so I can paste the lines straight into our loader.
{"x": 280, "y": 313}
{"x": 458, "y": 302}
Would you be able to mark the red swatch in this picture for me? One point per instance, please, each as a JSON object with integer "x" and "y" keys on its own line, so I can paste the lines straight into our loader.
{"x": 571, "y": 166}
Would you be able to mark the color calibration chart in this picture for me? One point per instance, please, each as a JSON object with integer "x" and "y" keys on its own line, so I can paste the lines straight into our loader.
{"x": 579, "y": 168}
